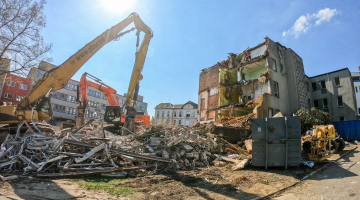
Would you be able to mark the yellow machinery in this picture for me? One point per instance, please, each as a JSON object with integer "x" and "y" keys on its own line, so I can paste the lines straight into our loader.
{"x": 36, "y": 106}
{"x": 324, "y": 142}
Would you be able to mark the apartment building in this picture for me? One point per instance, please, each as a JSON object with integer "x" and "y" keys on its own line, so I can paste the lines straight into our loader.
{"x": 270, "y": 78}
{"x": 14, "y": 89}
{"x": 176, "y": 114}
{"x": 356, "y": 81}
{"x": 269, "y": 74}
{"x": 334, "y": 93}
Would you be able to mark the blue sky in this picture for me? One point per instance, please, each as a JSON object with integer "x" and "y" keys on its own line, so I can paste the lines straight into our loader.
{"x": 192, "y": 35}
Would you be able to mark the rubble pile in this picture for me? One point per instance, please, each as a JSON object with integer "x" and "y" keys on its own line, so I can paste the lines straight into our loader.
{"x": 238, "y": 122}
{"x": 45, "y": 154}
{"x": 68, "y": 153}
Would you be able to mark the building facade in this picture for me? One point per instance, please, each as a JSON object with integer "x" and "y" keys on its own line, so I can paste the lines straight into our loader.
{"x": 176, "y": 114}
{"x": 356, "y": 82}
{"x": 267, "y": 79}
{"x": 334, "y": 93}
{"x": 14, "y": 89}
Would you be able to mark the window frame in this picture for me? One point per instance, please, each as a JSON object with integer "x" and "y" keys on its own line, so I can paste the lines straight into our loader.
{"x": 337, "y": 85}
{"x": 273, "y": 63}
{"x": 7, "y": 94}
{"x": 11, "y": 82}
{"x": 327, "y": 104}
{"x": 276, "y": 89}
{"x": 342, "y": 101}
{"x": 21, "y": 87}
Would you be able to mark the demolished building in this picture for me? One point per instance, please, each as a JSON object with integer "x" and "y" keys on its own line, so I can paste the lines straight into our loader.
{"x": 264, "y": 80}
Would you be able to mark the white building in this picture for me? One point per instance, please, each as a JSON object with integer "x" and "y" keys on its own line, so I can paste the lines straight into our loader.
{"x": 356, "y": 81}
{"x": 176, "y": 114}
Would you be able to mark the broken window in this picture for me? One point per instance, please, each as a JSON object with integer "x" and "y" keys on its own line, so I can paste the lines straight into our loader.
{"x": 341, "y": 118}
{"x": 276, "y": 89}
{"x": 168, "y": 113}
{"x": 313, "y": 85}
{"x": 273, "y": 64}
{"x": 11, "y": 83}
{"x": 316, "y": 104}
{"x": 280, "y": 54}
{"x": 323, "y": 85}
{"x": 325, "y": 104}
{"x": 309, "y": 103}
{"x": 187, "y": 113}
{"x": 174, "y": 113}
{"x": 340, "y": 101}
{"x": 157, "y": 113}
{"x": 270, "y": 111}
{"x": 163, "y": 113}
{"x": 337, "y": 81}
{"x": 358, "y": 111}
{"x": 179, "y": 113}
{"x": 281, "y": 67}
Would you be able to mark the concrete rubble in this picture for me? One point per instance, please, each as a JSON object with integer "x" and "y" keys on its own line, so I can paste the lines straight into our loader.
{"x": 87, "y": 152}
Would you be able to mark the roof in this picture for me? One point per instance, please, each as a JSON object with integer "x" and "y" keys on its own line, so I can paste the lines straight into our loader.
{"x": 192, "y": 103}
{"x": 170, "y": 106}
{"x": 331, "y": 72}
{"x": 164, "y": 105}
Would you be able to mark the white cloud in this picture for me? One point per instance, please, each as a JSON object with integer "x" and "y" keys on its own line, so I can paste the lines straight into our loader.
{"x": 304, "y": 23}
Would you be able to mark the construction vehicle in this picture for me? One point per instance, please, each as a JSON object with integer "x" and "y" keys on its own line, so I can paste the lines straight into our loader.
{"x": 36, "y": 105}
{"x": 113, "y": 101}
{"x": 323, "y": 143}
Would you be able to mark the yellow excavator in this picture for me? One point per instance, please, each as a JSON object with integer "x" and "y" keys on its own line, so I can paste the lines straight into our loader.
{"x": 36, "y": 106}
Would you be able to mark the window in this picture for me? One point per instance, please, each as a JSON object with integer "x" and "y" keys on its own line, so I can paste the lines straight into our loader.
{"x": 356, "y": 89}
{"x": 11, "y": 83}
{"x": 340, "y": 101}
{"x": 337, "y": 81}
{"x": 179, "y": 113}
{"x": 341, "y": 118}
{"x": 174, "y": 121}
{"x": 270, "y": 111}
{"x": 74, "y": 87}
{"x": 187, "y": 113}
{"x": 158, "y": 113}
{"x": 322, "y": 83}
{"x": 23, "y": 87}
{"x": 356, "y": 79}
{"x": 168, "y": 113}
{"x": 316, "y": 104}
{"x": 309, "y": 103}
{"x": 174, "y": 114}
{"x": 179, "y": 121}
{"x": 280, "y": 54}
{"x": 358, "y": 111}
{"x": 67, "y": 110}
{"x": 276, "y": 89}
{"x": 325, "y": 104}
{"x": 8, "y": 96}
{"x": 67, "y": 86}
{"x": 163, "y": 113}
{"x": 19, "y": 98}
{"x": 273, "y": 64}
{"x": 313, "y": 85}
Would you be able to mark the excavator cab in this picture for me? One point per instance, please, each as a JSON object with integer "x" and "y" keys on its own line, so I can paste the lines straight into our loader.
{"x": 44, "y": 106}
{"x": 113, "y": 115}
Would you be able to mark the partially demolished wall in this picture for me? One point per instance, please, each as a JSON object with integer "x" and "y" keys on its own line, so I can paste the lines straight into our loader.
{"x": 269, "y": 72}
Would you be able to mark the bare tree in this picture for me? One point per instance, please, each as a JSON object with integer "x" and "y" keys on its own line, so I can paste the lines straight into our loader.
{"x": 20, "y": 41}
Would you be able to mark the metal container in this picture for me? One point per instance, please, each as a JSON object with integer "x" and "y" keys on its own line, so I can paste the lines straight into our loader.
{"x": 348, "y": 130}
{"x": 276, "y": 142}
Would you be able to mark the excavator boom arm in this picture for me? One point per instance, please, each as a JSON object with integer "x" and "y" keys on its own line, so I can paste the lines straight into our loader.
{"x": 58, "y": 78}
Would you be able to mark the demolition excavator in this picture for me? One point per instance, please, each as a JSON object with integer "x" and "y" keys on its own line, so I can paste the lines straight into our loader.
{"x": 113, "y": 111}
{"x": 36, "y": 105}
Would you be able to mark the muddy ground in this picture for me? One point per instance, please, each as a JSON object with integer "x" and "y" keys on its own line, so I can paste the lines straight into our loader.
{"x": 205, "y": 183}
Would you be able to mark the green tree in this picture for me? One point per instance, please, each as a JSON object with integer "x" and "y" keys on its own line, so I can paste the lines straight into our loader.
{"x": 21, "y": 22}
{"x": 312, "y": 117}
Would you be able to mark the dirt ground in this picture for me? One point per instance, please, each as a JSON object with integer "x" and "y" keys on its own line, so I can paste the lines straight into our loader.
{"x": 205, "y": 183}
